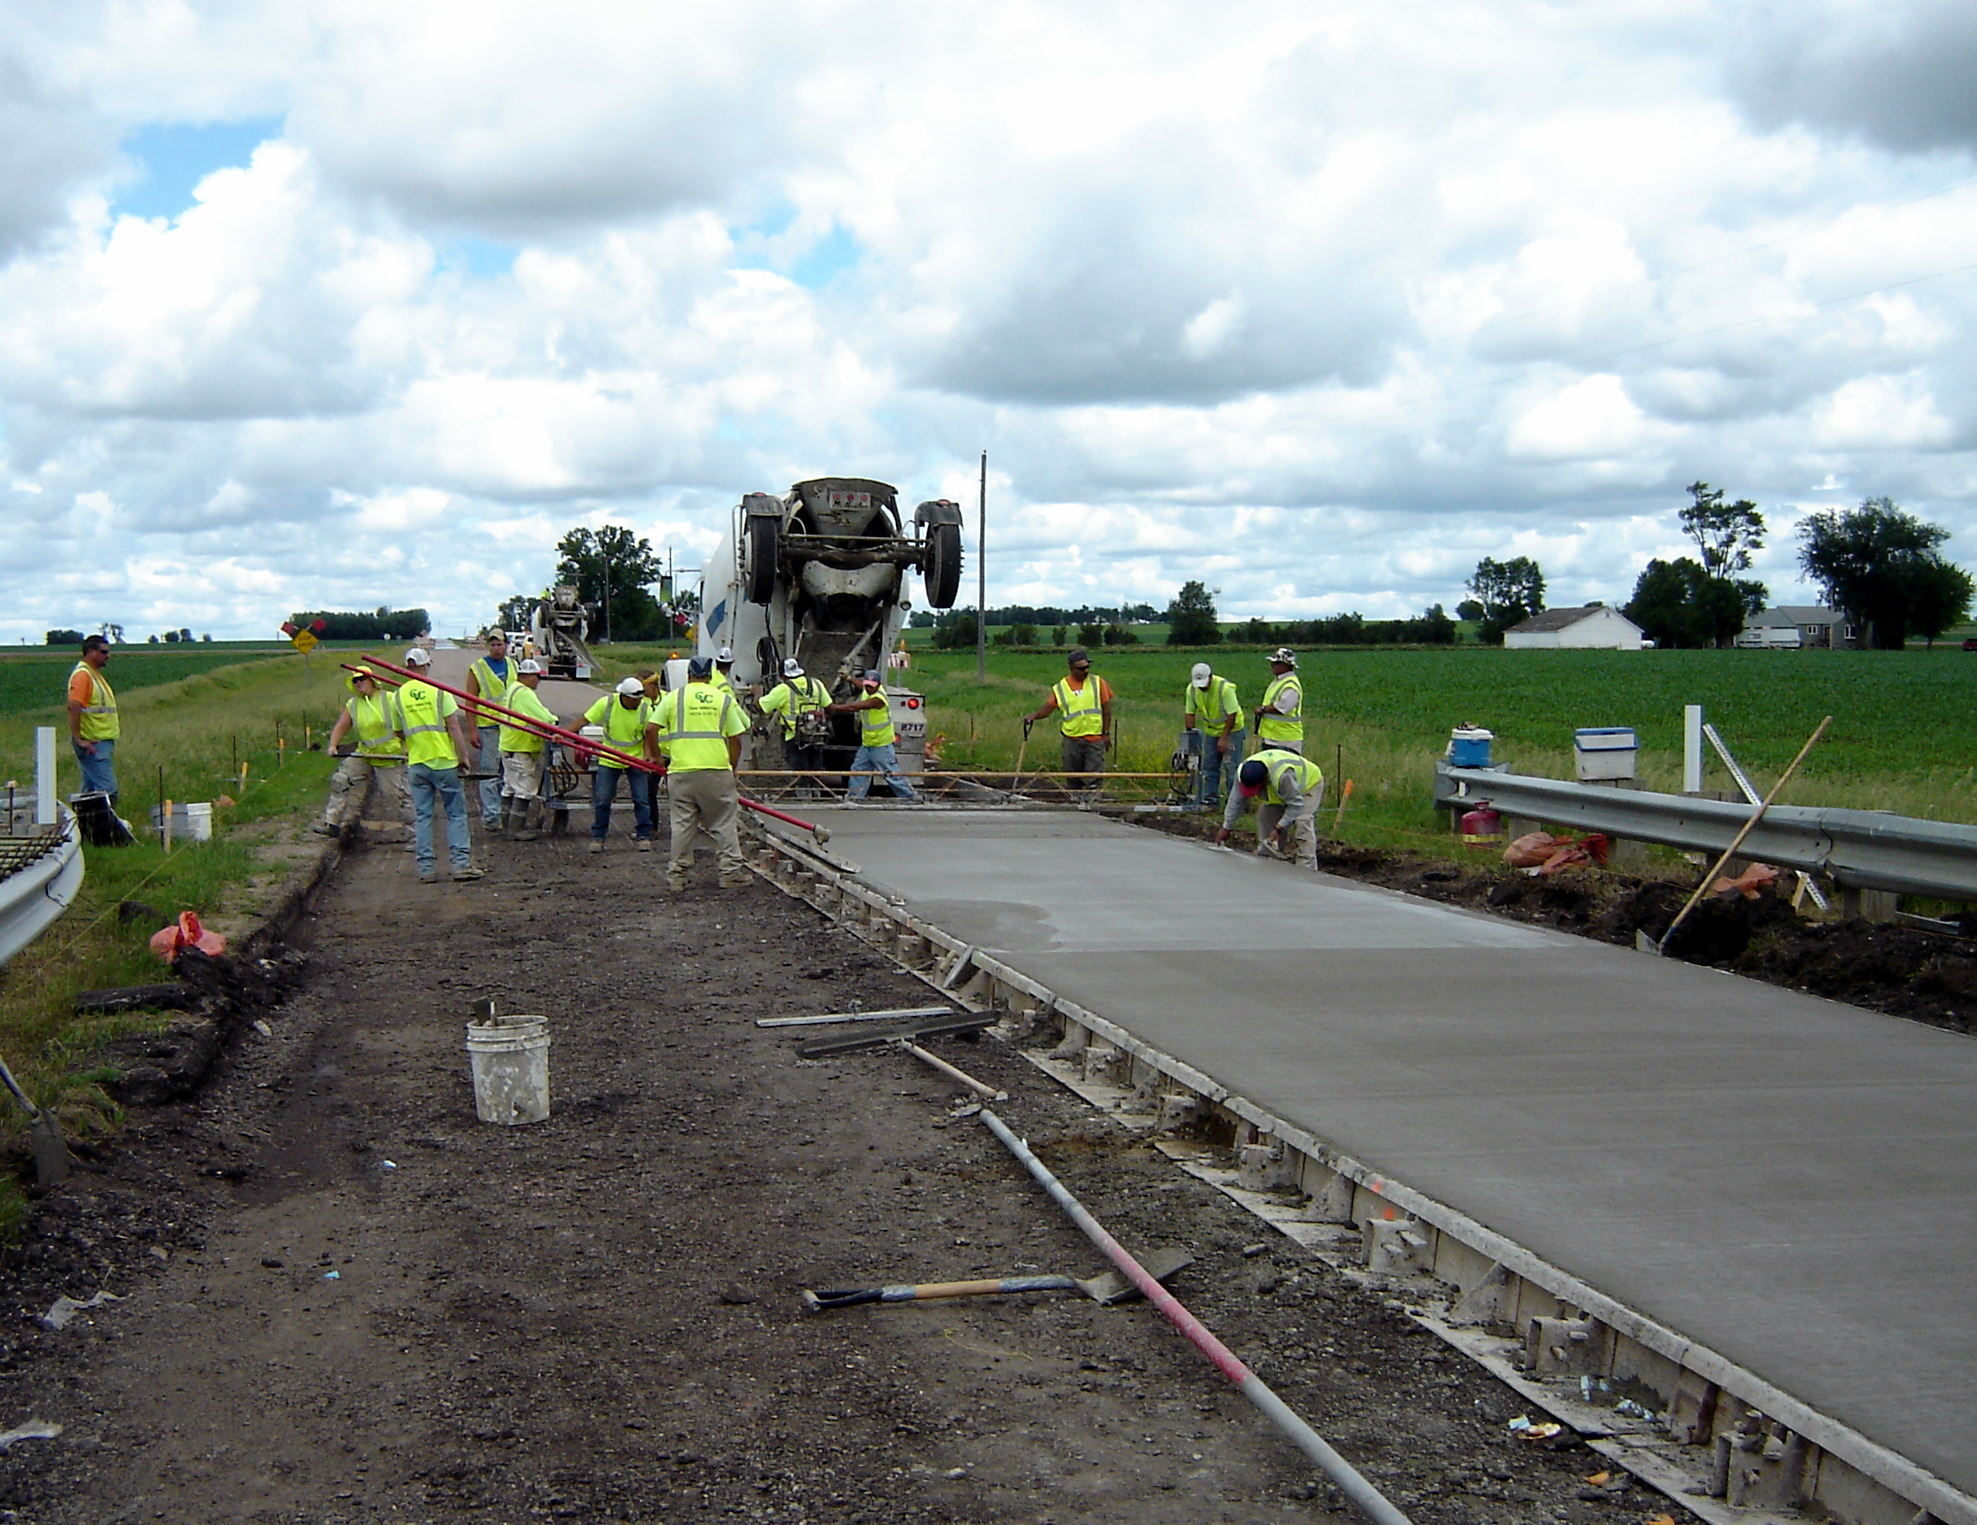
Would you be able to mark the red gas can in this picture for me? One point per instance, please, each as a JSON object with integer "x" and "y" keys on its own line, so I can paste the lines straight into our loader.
{"x": 1482, "y": 827}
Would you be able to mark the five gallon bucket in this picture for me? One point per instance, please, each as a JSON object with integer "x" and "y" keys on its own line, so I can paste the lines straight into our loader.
{"x": 511, "y": 1069}
{"x": 189, "y": 822}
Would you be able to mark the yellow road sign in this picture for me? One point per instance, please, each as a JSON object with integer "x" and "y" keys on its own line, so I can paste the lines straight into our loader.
{"x": 303, "y": 641}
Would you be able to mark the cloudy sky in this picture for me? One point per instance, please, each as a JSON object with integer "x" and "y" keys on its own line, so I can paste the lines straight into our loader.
{"x": 340, "y": 303}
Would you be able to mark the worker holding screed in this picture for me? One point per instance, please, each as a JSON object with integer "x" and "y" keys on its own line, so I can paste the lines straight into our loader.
{"x": 1083, "y": 700}
{"x": 623, "y": 715}
{"x": 1291, "y": 790}
{"x": 436, "y": 750}
{"x": 523, "y": 754}
{"x": 368, "y": 711}
{"x": 1211, "y": 710}
{"x": 876, "y": 737}
{"x": 698, "y": 728}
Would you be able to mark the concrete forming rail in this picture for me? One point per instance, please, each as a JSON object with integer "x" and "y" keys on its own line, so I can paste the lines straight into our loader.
{"x": 1752, "y": 1204}
{"x": 1859, "y": 849}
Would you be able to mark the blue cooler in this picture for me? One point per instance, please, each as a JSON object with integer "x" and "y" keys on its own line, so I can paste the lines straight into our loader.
{"x": 1469, "y": 747}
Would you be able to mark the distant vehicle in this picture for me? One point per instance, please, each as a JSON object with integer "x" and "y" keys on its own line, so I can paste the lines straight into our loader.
{"x": 1770, "y": 638}
{"x": 1970, "y": 644}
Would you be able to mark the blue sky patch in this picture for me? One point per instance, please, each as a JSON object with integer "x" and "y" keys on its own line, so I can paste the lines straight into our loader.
{"x": 171, "y": 158}
{"x": 833, "y": 254}
{"x": 481, "y": 258}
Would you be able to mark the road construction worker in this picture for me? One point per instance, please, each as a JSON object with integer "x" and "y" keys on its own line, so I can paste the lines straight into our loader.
{"x": 1291, "y": 788}
{"x": 93, "y": 727}
{"x": 651, "y": 683}
{"x": 876, "y": 752}
{"x": 436, "y": 750}
{"x": 1083, "y": 701}
{"x": 1280, "y": 717}
{"x": 799, "y": 704}
{"x": 699, "y": 729}
{"x": 724, "y": 666}
{"x": 524, "y": 755}
{"x": 490, "y": 678}
{"x": 1212, "y": 713}
{"x": 623, "y": 716}
{"x": 379, "y": 749}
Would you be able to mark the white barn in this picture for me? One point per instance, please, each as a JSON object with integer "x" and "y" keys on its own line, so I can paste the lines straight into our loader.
{"x": 1593, "y": 628}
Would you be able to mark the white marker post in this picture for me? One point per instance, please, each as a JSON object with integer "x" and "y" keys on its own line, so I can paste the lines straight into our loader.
{"x": 44, "y": 775}
{"x": 1692, "y": 749}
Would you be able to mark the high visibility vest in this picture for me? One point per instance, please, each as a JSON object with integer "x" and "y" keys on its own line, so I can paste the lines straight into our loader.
{"x": 1277, "y": 727}
{"x": 522, "y": 700}
{"x": 423, "y": 725}
{"x": 99, "y": 716}
{"x": 1081, "y": 710}
{"x": 1212, "y": 706}
{"x": 623, "y": 728}
{"x": 695, "y": 723}
{"x": 721, "y": 681}
{"x": 800, "y": 694}
{"x": 875, "y": 725}
{"x": 377, "y": 732}
{"x": 490, "y": 685}
{"x": 1281, "y": 765}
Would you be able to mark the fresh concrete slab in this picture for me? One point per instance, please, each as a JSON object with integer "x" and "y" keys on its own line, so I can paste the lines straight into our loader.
{"x": 1786, "y": 1180}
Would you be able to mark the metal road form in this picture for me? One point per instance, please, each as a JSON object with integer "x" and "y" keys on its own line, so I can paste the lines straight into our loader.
{"x": 1787, "y": 1183}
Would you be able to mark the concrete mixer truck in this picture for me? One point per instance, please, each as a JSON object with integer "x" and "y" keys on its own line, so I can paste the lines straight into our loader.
{"x": 819, "y": 574}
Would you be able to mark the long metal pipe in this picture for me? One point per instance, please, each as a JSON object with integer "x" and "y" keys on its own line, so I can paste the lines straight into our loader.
{"x": 1370, "y": 1501}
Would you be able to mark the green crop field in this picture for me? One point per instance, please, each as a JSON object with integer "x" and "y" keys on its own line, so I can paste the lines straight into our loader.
{"x": 35, "y": 678}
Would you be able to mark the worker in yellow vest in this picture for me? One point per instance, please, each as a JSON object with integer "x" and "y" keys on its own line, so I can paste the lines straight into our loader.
{"x": 1083, "y": 700}
{"x": 1280, "y": 717}
{"x": 1211, "y": 712}
{"x": 523, "y": 754}
{"x": 378, "y": 749}
{"x": 624, "y": 717}
{"x": 698, "y": 728}
{"x": 490, "y": 678}
{"x": 799, "y": 705}
{"x": 437, "y": 748}
{"x": 876, "y": 752}
{"x": 93, "y": 728}
{"x": 1290, "y": 789}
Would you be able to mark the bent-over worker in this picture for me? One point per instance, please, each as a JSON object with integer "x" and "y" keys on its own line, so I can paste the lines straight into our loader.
{"x": 1291, "y": 789}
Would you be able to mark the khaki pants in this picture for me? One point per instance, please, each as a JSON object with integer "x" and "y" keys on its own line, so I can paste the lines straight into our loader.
{"x": 350, "y": 781}
{"x": 703, "y": 804}
{"x": 521, "y": 775}
{"x": 1300, "y": 825}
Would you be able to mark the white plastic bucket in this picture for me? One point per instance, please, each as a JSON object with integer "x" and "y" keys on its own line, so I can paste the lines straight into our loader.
{"x": 510, "y": 1058}
{"x": 199, "y": 823}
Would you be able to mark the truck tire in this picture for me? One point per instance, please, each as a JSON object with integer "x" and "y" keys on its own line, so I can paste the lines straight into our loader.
{"x": 941, "y": 571}
{"x": 764, "y": 548}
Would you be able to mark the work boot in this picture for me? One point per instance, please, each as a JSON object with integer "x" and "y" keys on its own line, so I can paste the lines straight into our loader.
{"x": 596, "y": 845}
{"x": 531, "y": 823}
{"x": 643, "y": 844}
{"x": 324, "y": 828}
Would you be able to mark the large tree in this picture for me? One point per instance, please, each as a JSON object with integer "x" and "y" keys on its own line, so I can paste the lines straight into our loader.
{"x": 1725, "y": 533}
{"x": 1880, "y": 567}
{"x": 1191, "y": 617}
{"x": 611, "y": 568}
{"x": 1509, "y": 591}
{"x": 1677, "y": 603}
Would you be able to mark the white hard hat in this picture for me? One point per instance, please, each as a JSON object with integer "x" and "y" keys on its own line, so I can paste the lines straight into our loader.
{"x": 725, "y": 654}
{"x": 418, "y": 656}
{"x": 1201, "y": 675}
{"x": 630, "y": 686}
{"x": 792, "y": 668}
{"x": 528, "y": 665}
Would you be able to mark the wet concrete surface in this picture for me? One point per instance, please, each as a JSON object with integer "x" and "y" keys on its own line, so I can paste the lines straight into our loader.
{"x": 1783, "y": 1179}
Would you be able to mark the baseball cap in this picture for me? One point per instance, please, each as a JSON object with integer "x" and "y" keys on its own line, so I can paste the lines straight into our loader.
{"x": 1250, "y": 777}
{"x": 1076, "y": 655}
{"x": 699, "y": 667}
{"x": 528, "y": 664}
{"x": 725, "y": 654}
{"x": 792, "y": 668}
{"x": 418, "y": 656}
{"x": 630, "y": 686}
{"x": 872, "y": 675}
{"x": 1201, "y": 674}
{"x": 1285, "y": 655}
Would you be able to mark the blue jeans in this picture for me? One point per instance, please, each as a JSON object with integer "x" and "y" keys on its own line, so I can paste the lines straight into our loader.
{"x": 490, "y": 762}
{"x": 99, "y": 776}
{"x": 1218, "y": 771}
{"x": 604, "y": 789}
{"x": 883, "y": 760}
{"x": 428, "y": 785}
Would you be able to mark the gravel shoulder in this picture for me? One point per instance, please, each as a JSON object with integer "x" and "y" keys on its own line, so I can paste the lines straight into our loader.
{"x": 345, "y": 1299}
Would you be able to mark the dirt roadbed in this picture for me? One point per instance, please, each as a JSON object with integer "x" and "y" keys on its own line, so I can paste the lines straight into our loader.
{"x": 345, "y": 1299}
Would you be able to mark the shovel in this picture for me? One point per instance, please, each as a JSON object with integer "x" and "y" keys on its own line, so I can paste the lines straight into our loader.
{"x": 1104, "y": 1290}
{"x": 51, "y": 1155}
{"x": 1648, "y": 944}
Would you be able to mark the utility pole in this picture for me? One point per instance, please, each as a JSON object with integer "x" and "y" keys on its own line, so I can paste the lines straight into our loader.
{"x": 981, "y": 578}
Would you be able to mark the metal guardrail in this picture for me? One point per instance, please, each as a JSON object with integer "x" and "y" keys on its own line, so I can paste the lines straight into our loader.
{"x": 1861, "y": 849}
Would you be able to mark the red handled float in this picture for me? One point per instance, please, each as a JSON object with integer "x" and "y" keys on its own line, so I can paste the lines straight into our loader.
{"x": 588, "y": 746}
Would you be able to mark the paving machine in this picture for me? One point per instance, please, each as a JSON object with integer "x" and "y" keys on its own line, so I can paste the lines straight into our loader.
{"x": 819, "y": 574}
{"x": 559, "y": 622}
